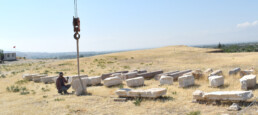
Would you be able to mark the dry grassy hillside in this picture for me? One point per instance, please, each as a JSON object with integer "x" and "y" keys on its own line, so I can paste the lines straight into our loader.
{"x": 43, "y": 98}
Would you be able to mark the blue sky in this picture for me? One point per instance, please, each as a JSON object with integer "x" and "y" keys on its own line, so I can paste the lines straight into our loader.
{"x": 46, "y": 25}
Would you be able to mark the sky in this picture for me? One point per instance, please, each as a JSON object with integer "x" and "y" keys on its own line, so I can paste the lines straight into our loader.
{"x": 107, "y": 25}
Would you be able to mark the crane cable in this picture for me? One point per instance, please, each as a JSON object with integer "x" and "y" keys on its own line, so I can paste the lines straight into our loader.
{"x": 76, "y": 25}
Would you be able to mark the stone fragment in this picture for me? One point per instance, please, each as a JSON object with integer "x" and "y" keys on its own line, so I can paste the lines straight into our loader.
{"x": 149, "y": 93}
{"x": 208, "y": 71}
{"x": 104, "y": 76}
{"x": 248, "y": 82}
{"x": 234, "y": 107}
{"x": 186, "y": 81}
{"x": 157, "y": 77}
{"x": 216, "y": 81}
{"x": 80, "y": 89}
{"x": 246, "y": 72}
{"x": 96, "y": 80}
{"x": 28, "y": 76}
{"x": 48, "y": 79}
{"x": 36, "y": 78}
{"x": 112, "y": 81}
{"x": 228, "y": 95}
{"x": 71, "y": 78}
{"x": 150, "y": 74}
{"x": 130, "y": 75}
{"x": 197, "y": 95}
{"x": 178, "y": 74}
{"x": 197, "y": 74}
{"x": 166, "y": 80}
{"x": 120, "y": 99}
{"x": 216, "y": 73}
{"x": 135, "y": 82}
{"x": 234, "y": 71}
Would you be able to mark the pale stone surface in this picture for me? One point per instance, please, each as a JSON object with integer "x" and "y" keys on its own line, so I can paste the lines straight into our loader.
{"x": 198, "y": 95}
{"x": 71, "y": 78}
{"x": 197, "y": 74}
{"x": 166, "y": 80}
{"x": 248, "y": 82}
{"x": 107, "y": 75}
{"x": 28, "y": 76}
{"x": 234, "y": 107}
{"x": 216, "y": 73}
{"x": 36, "y": 78}
{"x": 135, "y": 82}
{"x": 178, "y": 74}
{"x": 111, "y": 81}
{"x": 96, "y": 80}
{"x": 78, "y": 87}
{"x": 150, "y": 74}
{"x": 130, "y": 75}
{"x": 48, "y": 79}
{"x": 246, "y": 72}
{"x": 234, "y": 71}
{"x": 216, "y": 81}
{"x": 149, "y": 93}
{"x": 229, "y": 95}
{"x": 157, "y": 77}
{"x": 208, "y": 71}
{"x": 120, "y": 75}
{"x": 186, "y": 80}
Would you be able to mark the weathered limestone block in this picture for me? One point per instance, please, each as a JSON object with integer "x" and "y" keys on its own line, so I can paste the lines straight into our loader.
{"x": 197, "y": 74}
{"x": 96, "y": 80}
{"x": 208, "y": 71}
{"x": 216, "y": 81}
{"x": 186, "y": 80}
{"x": 178, "y": 74}
{"x": 228, "y": 95}
{"x": 234, "y": 71}
{"x": 28, "y": 76}
{"x": 71, "y": 78}
{"x": 157, "y": 77}
{"x": 248, "y": 82}
{"x": 36, "y": 78}
{"x": 234, "y": 107}
{"x": 48, "y": 79}
{"x": 104, "y": 76}
{"x": 80, "y": 89}
{"x": 135, "y": 82}
{"x": 111, "y": 81}
{"x": 197, "y": 95}
{"x": 130, "y": 75}
{"x": 140, "y": 71}
{"x": 216, "y": 73}
{"x": 246, "y": 72}
{"x": 150, "y": 74}
{"x": 166, "y": 80}
{"x": 149, "y": 93}
{"x": 120, "y": 75}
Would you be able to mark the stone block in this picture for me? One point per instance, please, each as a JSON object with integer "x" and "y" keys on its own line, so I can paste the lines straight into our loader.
{"x": 216, "y": 81}
{"x": 149, "y": 93}
{"x": 248, "y": 82}
{"x": 157, "y": 77}
{"x": 166, "y": 80}
{"x": 28, "y": 76}
{"x": 246, "y": 72}
{"x": 71, "y": 78}
{"x": 48, "y": 79}
{"x": 228, "y": 95}
{"x": 78, "y": 87}
{"x": 186, "y": 81}
{"x": 107, "y": 75}
{"x": 208, "y": 71}
{"x": 36, "y": 78}
{"x": 197, "y": 95}
{"x": 96, "y": 80}
{"x": 130, "y": 75}
{"x": 150, "y": 74}
{"x": 178, "y": 74}
{"x": 135, "y": 82}
{"x": 216, "y": 73}
{"x": 234, "y": 71}
{"x": 112, "y": 81}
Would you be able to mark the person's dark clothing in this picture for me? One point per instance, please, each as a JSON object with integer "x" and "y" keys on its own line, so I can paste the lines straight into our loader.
{"x": 60, "y": 85}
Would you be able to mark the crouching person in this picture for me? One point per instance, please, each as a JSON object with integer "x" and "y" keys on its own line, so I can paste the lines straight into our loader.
{"x": 60, "y": 84}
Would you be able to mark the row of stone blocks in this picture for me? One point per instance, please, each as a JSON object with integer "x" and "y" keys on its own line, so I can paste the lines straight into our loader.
{"x": 148, "y": 93}
{"x": 223, "y": 95}
{"x": 133, "y": 82}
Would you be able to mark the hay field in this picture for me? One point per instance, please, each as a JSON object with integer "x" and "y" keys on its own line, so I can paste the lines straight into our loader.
{"x": 43, "y": 99}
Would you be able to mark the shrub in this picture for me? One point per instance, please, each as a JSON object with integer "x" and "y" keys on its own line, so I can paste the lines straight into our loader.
{"x": 20, "y": 82}
{"x": 45, "y": 89}
{"x": 82, "y": 70}
{"x": 59, "y": 99}
{"x": 2, "y": 76}
{"x": 126, "y": 67}
{"x": 137, "y": 101}
{"x": 194, "y": 113}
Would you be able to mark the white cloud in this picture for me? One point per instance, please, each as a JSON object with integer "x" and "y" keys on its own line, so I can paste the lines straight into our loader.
{"x": 247, "y": 24}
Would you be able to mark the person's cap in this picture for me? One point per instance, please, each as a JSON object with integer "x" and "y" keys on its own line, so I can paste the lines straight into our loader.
{"x": 60, "y": 73}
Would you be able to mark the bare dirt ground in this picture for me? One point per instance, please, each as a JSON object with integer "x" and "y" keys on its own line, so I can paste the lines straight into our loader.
{"x": 43, "y": 98}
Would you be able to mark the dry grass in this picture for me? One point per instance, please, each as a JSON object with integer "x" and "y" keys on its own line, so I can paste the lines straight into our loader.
{"x": 101, "y": 100}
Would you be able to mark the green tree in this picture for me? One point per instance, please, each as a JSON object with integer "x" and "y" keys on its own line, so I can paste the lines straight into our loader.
{"x": 1, "y": 55}
{"x": 219, "y": 46}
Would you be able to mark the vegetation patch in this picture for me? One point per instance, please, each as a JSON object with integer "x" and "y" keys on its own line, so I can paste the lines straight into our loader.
{"x": 59, "y": 99}
{"x": 21, "y": 82}
{"x": 194, "y": 113}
